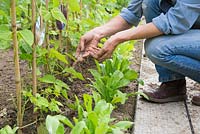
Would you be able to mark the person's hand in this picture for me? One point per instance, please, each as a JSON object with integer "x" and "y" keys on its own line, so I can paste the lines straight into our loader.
{"x": 88, "y": 43}
{"x": 107, "y": 50}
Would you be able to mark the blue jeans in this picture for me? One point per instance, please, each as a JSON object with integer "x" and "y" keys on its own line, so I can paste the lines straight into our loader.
{"x": 175, "y": 56}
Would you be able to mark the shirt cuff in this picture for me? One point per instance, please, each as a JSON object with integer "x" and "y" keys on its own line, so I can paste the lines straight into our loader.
{"x": 161, "y": 23}
{"x": 129, "y": 17}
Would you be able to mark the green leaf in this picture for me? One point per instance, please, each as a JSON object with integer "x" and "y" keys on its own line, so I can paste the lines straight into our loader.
{"x": 64, "y": 93}
{"x": 5, "y": 38}
{"x": 79, "y": 109}
{"x": 58, "y": 15}
{"x": 79, "y": 128}
{"x": 52, "y": 124}
{"x": 4, "y": 44}
{"x": 54, "y": 105}
{"x": 8, "y": 130}
{"x": 4, "y": 27}
{"x": 108, "y": 67}
{"x": 139, "y": 93}
{"x": 93, "y": 117}
{"x": 102, "y": 128}
{"x": 141, "y": 82}
{"x": 56, "y": 3}
{"x": 5, "y": 35}
{"x": 125, "y": 49}
{"x": 98, "y": 66}
{"x": 61, "y": 129}
{"x": 61, "y": 84}
{"x": 131, "y": 75}
{"x": 55, "y": 54}
{"x": 74, "y": 73}
{"x": 48, "y": 79}
{"x": 27, "y": 36}
{"x": 119, "y": 98}
{"x": 80, "y": 112}
{"x": 95, "y": 74}
{"x": 65, "y": 120}
{"x": 117, "y": 131}
{"x": 46, "y": 14}
{"x": 57, "y": 90}
{"x": 103, "y": 107}
{"x": 87, "y": 102}
{"x": 122, "y": 83}
{"x": 74, "y": 5}
{"x": 96, "y": 96}
{"x": 125, "y": 63}
{"x": 124, "y": 125}
{"x": 41, "y": 101}
{"x": 25, "y": 48}
{"x": 115, "y": 80}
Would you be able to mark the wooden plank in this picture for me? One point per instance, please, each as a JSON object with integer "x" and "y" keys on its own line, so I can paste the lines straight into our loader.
{"x": 194, "y": 111}
{"x": 151, "y": 118}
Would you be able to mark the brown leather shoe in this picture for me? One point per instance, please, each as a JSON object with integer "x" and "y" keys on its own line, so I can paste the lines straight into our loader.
{"x": 196, "y": 99}
{"x": 168, "y": 92}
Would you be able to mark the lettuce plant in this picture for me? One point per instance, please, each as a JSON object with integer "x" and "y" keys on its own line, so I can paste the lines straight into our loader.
{"x": 112, "y": 75}
{"x": 8, "y": 130}
{"x": 90, "y": 120}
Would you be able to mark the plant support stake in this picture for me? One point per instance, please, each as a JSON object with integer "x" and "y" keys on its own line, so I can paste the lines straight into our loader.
{"x": 17, "y": 68}
{"x": 34, "y": 64}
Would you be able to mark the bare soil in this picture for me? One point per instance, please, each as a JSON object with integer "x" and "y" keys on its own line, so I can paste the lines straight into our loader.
{"x": 8, "y": 99}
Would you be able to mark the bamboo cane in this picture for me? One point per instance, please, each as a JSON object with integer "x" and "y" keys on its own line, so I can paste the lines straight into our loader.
{"x": 60, "y": 41}
{"x": 67, "y": 20}
{"x": 34, "y": 64}
{"x": 81, "y": 6}
{"x": 17, "y": 67}
{"x": 46, "y": 66}
{"x": 60, "y": 31}
{"x": 47, "y": 27}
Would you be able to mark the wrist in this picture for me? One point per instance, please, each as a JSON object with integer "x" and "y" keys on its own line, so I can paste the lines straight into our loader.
{"x": 100, "y": 32}
{"x": 120, "y": 37}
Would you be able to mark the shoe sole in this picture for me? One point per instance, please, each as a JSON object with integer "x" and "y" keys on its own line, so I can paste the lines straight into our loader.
{"x": 195, "y": 103}
{"x": 170, "y": 99}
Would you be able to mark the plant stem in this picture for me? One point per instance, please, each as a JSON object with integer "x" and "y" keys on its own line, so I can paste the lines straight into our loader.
{"x": 60, "y": 41}
{"x": 47, "y": 27}
{"x": 28, "y": 124}
{"x": 34, "y": 64}
{"x": 81, "y": 6}
{"x": 67, "y": 33}
{"x": 46, "y": 66}
{"x": 17, "y": 67}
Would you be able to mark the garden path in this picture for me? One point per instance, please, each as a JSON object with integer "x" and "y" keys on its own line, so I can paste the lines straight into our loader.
{"x": 169, "y": 118}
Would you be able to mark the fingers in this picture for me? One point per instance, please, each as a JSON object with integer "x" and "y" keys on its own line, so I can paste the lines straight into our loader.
{"x": 78, "y": 50}
{"x": 86, "y": 44}
{"x": 82, "y": 44}
{"x": 100, "y": 54}
{"x": 93, "y": 49}
{"x": 104, "y": 57}
{"x": 80, "y": 47}
{"x": 105, "y": 52}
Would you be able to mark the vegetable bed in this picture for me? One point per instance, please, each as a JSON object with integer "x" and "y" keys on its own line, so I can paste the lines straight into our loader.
{"x": 45, "y": 89}
{"x": 78, "y": 87}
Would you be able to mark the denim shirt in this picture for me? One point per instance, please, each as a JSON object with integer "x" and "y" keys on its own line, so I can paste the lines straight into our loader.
{"x": 178, "y": 16}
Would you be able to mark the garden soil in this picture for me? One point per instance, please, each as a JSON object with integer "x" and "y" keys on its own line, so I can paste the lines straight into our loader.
{"x": 8, "y": 97}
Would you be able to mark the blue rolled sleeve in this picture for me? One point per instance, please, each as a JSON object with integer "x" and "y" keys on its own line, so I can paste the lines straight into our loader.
{"x": 179, "y": 18}
{"x": 133, "y": 13}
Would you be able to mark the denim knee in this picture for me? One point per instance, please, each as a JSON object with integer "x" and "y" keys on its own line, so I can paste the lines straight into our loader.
{"x": 157, "y": 52}
{"x": 151, "y": 9}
